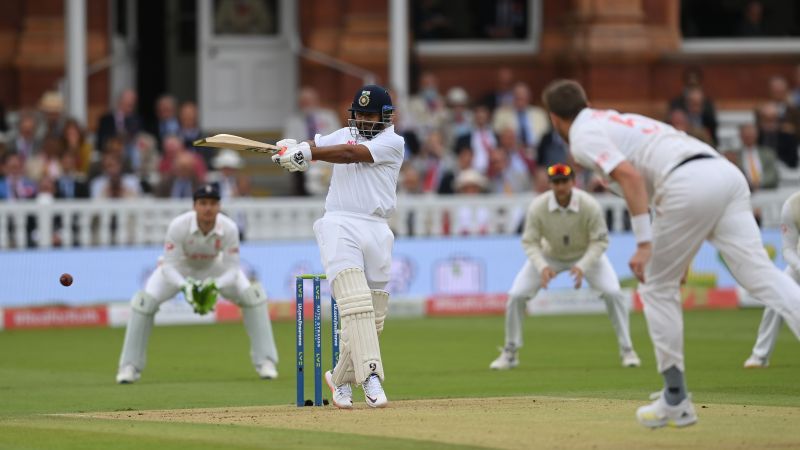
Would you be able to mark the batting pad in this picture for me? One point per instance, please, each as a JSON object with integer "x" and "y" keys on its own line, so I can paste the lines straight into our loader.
{"x": 380, "y": 302}
{"x": 344, "y": 369}
{"x": 358, "y": 322}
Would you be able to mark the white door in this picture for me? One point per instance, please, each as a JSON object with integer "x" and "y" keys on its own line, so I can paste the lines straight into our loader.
{"x": 248, "y": 73}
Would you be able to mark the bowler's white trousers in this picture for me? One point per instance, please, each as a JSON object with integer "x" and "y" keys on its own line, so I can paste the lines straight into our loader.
{"x": 706, "y": 199}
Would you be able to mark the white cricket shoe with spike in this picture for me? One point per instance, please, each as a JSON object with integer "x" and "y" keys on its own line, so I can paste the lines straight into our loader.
{"x": 631, "y": 359}
{"x": 659, "y": 414}
{"x": 756, "y": 362}
{"x": 342, "y": 395}
{"x": 267, "y": 370}
{"x": 128, "y": 375}
{"x": 373, "y": 392}
{"x": 507, "y": 359}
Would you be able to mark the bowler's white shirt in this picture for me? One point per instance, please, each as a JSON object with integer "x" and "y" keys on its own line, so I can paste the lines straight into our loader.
{"x": 604, "y": 138}
{"x": 186, "y": 247}
{"x": 365, "y": 188}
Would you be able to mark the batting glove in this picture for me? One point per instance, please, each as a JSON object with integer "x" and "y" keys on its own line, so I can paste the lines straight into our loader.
{"x": 294, "y": 158}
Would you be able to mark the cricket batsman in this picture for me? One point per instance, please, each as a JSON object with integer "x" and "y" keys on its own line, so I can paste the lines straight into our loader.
{"x": 201, "y": 259}
{"x": 565, "y": 230}
{"x": 354, "y": 238}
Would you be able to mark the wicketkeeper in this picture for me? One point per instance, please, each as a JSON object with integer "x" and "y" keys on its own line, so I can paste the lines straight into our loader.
{"x": 565, "y": 231}
{"x": 201, "y": 259}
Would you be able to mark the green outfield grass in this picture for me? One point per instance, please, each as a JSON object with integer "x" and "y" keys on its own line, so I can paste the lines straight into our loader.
{"x": 44, "y": 372}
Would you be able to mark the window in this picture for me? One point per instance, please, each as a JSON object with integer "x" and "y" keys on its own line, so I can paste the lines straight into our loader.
{"x": 246, "y": 17}
{"x": 467, "y": 27}
{"x": 741, "y": 26}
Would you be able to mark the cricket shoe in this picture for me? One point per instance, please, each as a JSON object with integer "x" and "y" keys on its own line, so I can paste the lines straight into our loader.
{"x": 630, "y": 359}
{"x": 373, "y": 392}
{"x": 756, "y": 362}
{"x": 506, "y": 360}
{"x": 267, "y": 370}
{"x": 128, "y": 375}
{"x": 659, "y": 414}
{"x": 341, "y": 395}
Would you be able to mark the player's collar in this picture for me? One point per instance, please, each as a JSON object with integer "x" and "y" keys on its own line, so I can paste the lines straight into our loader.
{"x": 195, "y": 228}
{"x": 553, "y": 205}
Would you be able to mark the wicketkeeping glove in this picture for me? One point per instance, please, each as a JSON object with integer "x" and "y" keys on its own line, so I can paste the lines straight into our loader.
{"x": 201, "y": 295}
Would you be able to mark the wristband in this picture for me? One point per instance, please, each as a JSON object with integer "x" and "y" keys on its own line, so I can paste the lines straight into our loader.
{"x": 641, "y": 228}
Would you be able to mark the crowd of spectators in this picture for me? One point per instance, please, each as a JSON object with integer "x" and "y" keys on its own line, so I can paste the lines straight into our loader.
{"x": 495, "y": 142}
{"x": 46, "y": 155}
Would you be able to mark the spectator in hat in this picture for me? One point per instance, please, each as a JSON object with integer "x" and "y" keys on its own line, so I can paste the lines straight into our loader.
{"x": 51, "y": 107}
{"x": 227, "y": 175}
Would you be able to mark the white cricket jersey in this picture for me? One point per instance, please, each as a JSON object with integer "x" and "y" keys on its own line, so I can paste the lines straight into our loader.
{"x": 790, "y": 226}
{"x": 365, "y": 188}
{"x": 602, "y": 139}
{"x": 187, "y": 247}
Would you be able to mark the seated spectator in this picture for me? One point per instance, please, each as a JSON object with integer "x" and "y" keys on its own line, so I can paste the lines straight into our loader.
{"x": 510, "y": 169}
{"x": 463, "y": 162}
{"x": 72, "y": 182}
{"x": 459, "y": 117}
{"x": 752, "y": 24}
{"x": 680, "y": 121}
{"x": 758, "y": 163}
{"x": 113, "y": 183}
{"x": 51, "y": 108}
{"x": 427, "y": 108}
{"x": 692, "y": 82}
{"x": 166, "y": 121}
{"x": 122, "y": 121}
{"x": 183, "y": 179}
{"x": 172, "y": 148}
{"x": 115, "y": 146}
{"x": 772, "y": 135}
{"x": 471, "y": 219}
{"x": 190, "y": 132}
{"x": 788, "y": 114}
{"x": 46, "y": 191}
{"x": 15, "y": 185}
{"x": 232, "y": 183}
{"x": 433, "y": 162}
{"x": 410, "y": 180}
{"x": 503, "y": 93}
{"x": 74, "y": 140}
{"x": 148, "y": 160}
{"x": 48, "y": 162}
{"x": 481, "y": 139}
{"x": 22, "y": 141}
{"x": 529, "y": 122}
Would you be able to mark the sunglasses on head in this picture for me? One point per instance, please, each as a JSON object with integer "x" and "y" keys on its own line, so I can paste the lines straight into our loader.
{"x": 559, "y": 169}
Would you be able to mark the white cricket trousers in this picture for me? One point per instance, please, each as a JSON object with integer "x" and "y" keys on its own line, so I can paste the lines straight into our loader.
{"x": 706, "y": 199}
{"x": 770, "y": 326}
{"x": 600, "y": 276}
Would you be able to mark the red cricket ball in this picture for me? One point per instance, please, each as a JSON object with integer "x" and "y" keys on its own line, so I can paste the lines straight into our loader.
{"x": 66, "y": 279}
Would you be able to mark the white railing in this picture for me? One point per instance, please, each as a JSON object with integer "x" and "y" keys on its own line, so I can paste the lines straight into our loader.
{"x": 144, "y": 221}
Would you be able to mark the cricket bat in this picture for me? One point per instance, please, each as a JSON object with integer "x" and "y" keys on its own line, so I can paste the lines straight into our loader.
{"x": 236, "y": 143}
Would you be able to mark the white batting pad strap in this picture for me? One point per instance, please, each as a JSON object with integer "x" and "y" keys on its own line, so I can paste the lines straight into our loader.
{"x": 253, "y": 296}
{"x": 363, "y": 342}
{"x": 380, "y": 302}
{"x": 144, "y": 303}
{"x": 352, "y": 293}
